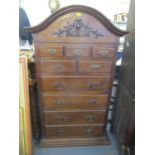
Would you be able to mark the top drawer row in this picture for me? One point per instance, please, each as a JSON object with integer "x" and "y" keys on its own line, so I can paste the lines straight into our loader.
{"x": 76, "y": 51}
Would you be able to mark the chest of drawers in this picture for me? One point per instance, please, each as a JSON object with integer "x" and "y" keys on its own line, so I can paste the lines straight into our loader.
{"x": 75, "y": 52}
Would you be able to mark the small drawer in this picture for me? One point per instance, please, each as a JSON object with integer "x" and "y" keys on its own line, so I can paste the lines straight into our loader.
{"x": 50, "y": 51}
{"x": 74, "y": 131}
{"x": 74, "y": 101}
{"x": 95, "y": 66}
{"x": 57, "y": 66}
{"x": 76, "y": 117}
{"x": 89, "y": 84}
{"x": 77, "y": 51}
{"x": 103, "y": 52}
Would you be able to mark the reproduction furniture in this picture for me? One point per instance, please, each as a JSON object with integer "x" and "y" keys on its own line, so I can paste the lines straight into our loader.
{"x": 75, "y": 52}
{"x": 25, "y": 136}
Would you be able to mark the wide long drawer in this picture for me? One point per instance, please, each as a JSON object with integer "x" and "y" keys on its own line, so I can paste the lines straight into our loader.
{"x": 74, "y": 117}
{"x": 95, "y": 84}
{"x": 74, "y": 101}
{"x": 74, "y": 131}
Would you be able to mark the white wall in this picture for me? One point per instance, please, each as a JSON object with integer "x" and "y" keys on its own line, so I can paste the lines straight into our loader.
{"x": 38, "y": 10}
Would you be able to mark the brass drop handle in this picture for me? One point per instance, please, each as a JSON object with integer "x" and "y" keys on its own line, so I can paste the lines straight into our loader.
{"x": 58, "y": 67}
{"x": 103, "y": 52}
{"x": 90, "y": 118}
{"x": 95, "y": 66}
{"x": 77, "y": 52}
{"x": 60, "y": 119}
{"x": 52, "y": 51}
{"x": 92, "y": 102}
{"x": 59, "y": 132}
{"x": 58, "y": 85}
{"x": 93, "y": 85}
{"x": 89, "y": 131}
{"x": 59, "y": 102}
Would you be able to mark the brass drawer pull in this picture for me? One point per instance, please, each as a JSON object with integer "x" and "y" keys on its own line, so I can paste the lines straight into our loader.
{"x": 93, "y": 85}
{"x": 77, "y": 52}
{"x": 60, "y": 119}
{"x": 58, "y": 68}
{"x": 92, "y": 102}
{"x": 59, "y": 132}
{"x": 95, "y": 67}
{"x": 59, "y": 102}
{"x": 52, "y": 51}
{"x": 89, "y": 131}
{"x": 103, "y": 52}
{"x": 90, "y": 118}
{"x": 58, "y": 85}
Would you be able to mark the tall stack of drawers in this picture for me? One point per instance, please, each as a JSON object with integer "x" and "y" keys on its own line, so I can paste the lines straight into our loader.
{"x": 75, "y": 62}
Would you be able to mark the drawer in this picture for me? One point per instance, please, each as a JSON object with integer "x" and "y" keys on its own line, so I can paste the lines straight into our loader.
{"x": 74, "y": 101}
{"x": 103, "y": 52}
{"x": 57, "y": 66}
{"x": 95, "y": 66}
{"x": 94, "y": 84}
{"x": 74, "y": 117}
{"x": 74, "y": 131}
{"x": 50, "y": 51}
{"x": 77, "y": 51}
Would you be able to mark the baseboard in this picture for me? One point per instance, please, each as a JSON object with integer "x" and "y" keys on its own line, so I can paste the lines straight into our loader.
{"x": 74, "y": 142}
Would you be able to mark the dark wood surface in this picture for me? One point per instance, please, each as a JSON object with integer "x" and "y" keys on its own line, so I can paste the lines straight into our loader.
{"x": 75, "y": 62}
{"x": 65, "y": 84}
{"x": 95, "y": 66}
{"x": 78, "y": 141}
{"x": 74, "y": 101}
{"x": 78, "y": 8}
{"x": 74, "y": 117}
{"x": 103, "y": 52}
{"x": 124, "y": 116}
{"x": 74, "y": 131}
{"x": 49, "y": 50}
{"x": 58, "y": 66}
{"x": 78, "y": 51}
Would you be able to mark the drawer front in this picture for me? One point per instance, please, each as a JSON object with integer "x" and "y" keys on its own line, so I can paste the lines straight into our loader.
{"x": 50, "y": 51}
{"x": 102, "y": 52}
{"x": 89, "y": 84}
{"x": 64, "y": 102}
{"x": 73, "y": 51}
{"x": 95, "y": 66}
{"x": 67, "y": 118}
{"x": 57, "y": 66}
{"x": 74, "y": 131}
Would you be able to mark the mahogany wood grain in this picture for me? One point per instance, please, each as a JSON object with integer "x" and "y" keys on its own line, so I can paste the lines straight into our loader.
{"x": 74, "y": 40}
{"x": 77, "y": 51}
{"x": 74, "y": 131}
{"x": 95, "y": 66}
{"x": 48, "y": 50}
{"x": 103, "y": 52}
{"x": 91, "y": 84}
{"x": 72, "y": 141}
{"x": 74, "y": 101}
{"x": 58, "y": 66}
{"x": 74, "y": 117}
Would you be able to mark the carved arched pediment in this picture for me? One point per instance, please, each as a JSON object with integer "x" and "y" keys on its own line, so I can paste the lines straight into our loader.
{"x": 78, "y": 27}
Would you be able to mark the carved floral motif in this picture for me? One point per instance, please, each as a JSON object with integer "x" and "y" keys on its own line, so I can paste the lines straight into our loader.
{"x": 77, "y": 29}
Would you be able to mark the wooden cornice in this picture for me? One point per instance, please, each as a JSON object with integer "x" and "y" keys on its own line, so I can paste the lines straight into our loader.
{"x": 80, "y": 8}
